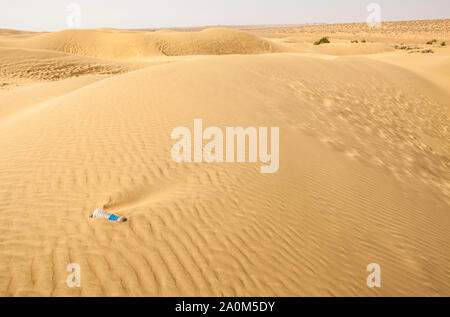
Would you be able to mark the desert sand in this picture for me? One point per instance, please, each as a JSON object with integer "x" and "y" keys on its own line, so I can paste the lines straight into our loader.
{"x": 85, "y": 123}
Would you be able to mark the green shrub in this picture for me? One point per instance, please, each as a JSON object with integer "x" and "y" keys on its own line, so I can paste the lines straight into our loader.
{"x": 363, "y": 41}
{"x": 322, "y": 40}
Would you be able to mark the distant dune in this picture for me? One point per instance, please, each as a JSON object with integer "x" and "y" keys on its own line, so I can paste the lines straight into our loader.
{"x": 418, "y": 31}
{"x": 85, "y": 122}
{"x": 122, "y": 44}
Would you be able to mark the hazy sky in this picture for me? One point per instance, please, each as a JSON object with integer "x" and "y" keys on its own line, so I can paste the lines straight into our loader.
{"x": 51, "y": 15}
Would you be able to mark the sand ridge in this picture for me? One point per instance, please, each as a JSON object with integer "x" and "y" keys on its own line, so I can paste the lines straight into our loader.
{"x": 128, "y": 44}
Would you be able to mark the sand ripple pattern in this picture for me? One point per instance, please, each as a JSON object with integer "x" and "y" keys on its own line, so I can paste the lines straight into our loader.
{"x": 363, "y": 178}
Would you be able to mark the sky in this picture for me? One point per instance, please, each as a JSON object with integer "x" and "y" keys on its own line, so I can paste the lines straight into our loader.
{"x": 53, "y": 15}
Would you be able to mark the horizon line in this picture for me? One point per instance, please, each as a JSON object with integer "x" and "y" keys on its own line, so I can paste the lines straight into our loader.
{"x": 243, "y": 26}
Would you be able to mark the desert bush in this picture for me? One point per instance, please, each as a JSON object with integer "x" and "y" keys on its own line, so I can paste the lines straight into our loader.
{"x": 354, "y": 41}
{"x": 431, "y": 42}
{"x": 363, "y": 41}
{"x": 443, "y": 44}
{"x": 427, "y": 51}
{"x": 322, "y": 40}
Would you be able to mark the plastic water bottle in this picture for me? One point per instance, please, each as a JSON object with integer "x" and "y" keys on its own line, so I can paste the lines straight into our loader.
{"x": 106, "y": 215}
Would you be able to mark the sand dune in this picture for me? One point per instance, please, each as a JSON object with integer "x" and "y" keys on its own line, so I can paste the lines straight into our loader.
{"x": 435, "y": 68}
{"x": 20, "y": 100}
{"x": 127, "y": 44}
{"x": 363, "y": 178}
